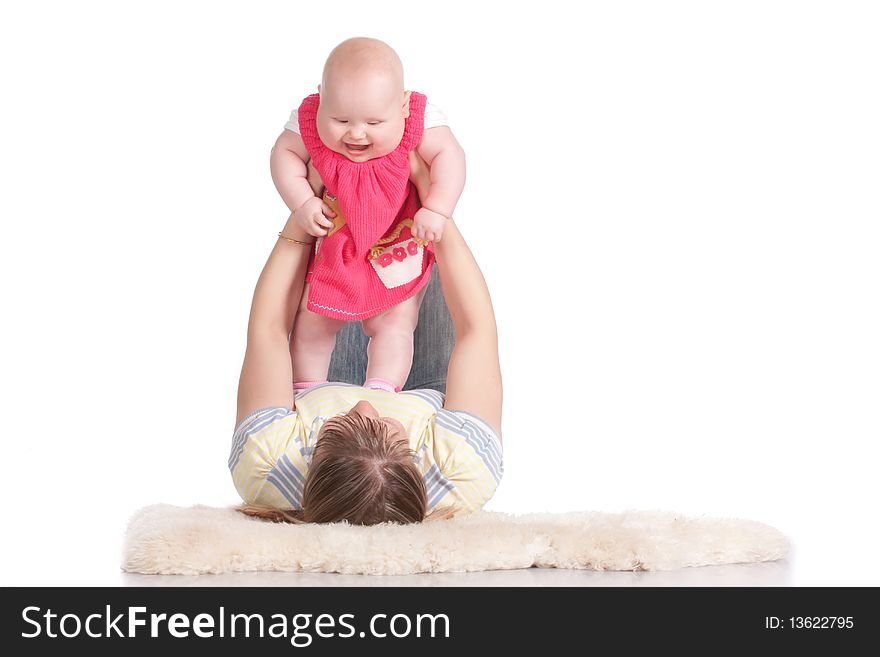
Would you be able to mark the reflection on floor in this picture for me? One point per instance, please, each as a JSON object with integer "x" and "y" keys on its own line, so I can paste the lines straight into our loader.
{"x": 773, "y": 573}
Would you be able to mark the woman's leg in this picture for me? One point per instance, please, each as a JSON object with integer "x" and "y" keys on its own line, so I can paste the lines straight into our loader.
{"x": 433, "y": 340}
{"x": 348, "y": 364}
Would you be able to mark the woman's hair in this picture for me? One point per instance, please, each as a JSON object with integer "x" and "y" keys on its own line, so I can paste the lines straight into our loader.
{"x": 359, "y": 475}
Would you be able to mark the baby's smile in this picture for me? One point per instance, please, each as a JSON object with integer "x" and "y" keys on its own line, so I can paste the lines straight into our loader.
{"x": 356, "y": 149}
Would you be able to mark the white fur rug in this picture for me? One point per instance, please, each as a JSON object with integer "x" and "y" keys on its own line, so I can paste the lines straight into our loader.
{"x": 170, "y": 540}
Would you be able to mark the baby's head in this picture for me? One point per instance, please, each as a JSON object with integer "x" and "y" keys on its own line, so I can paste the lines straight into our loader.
{"x": 363, "y": 107}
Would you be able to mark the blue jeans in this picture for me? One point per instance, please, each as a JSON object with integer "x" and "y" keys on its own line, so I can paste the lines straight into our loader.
{"x": 432, "y": 345}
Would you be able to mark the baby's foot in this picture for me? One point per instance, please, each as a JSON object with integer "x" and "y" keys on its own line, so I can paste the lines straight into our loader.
{"x": 381, "y": 384}
{"x": 299, "y": 387}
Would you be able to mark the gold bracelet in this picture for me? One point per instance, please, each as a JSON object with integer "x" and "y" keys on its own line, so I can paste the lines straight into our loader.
{"x": 290, "y": 239}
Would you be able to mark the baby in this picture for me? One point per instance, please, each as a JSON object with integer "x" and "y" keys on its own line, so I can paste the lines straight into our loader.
{"x": 373, "y": 254}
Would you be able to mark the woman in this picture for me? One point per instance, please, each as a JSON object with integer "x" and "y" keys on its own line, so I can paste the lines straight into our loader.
{"x": 341, "y": 452}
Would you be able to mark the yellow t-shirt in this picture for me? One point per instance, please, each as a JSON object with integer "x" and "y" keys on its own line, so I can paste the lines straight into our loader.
{"x": 458, "y": 454}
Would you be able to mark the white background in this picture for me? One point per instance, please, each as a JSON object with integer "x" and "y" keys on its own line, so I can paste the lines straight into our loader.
{"x": 675, "y": 205}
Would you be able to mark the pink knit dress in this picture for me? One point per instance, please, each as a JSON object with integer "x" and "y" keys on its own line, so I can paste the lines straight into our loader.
{"x": 363, "y": 268}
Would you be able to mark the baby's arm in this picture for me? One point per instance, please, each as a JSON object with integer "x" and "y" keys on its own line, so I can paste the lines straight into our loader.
{"x": 445, "y": 157}
{"x": 289, "y": 165}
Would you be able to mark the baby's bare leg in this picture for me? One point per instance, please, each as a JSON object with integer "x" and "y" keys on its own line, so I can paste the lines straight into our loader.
{"x": 390, "y": 353}
{"x": 311, "y": 344}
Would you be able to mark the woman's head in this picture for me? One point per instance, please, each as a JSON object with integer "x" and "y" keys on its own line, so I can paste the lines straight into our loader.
{"x": 363, "y": 471}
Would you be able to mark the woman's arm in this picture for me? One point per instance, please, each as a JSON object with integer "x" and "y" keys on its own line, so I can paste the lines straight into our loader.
{"x": 473, "y": 380}
{"x": 266, "y": 375}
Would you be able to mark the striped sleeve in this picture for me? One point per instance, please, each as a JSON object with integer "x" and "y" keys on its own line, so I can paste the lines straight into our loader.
{"x": 267, "y": 459}
{"x": 468, "y": 462}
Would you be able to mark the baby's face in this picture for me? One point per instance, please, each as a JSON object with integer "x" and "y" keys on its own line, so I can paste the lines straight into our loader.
{"x": 362, "y": 116}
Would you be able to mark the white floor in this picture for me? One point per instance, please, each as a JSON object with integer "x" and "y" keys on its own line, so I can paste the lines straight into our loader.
{"x": 763, "y": 574}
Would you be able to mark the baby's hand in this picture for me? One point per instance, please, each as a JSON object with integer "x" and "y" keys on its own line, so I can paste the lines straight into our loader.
{"x": 428, "y": 225}
{"x": 312, "y": 215}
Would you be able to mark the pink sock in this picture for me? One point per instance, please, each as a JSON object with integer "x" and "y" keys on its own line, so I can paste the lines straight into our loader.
{"x": 381, "y": 384}
{"x": 299, "y": 386}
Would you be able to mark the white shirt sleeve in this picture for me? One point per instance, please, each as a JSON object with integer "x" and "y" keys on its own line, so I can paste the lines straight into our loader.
{"x": 293, "y": 122}
{"x": 434, "y": 117}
